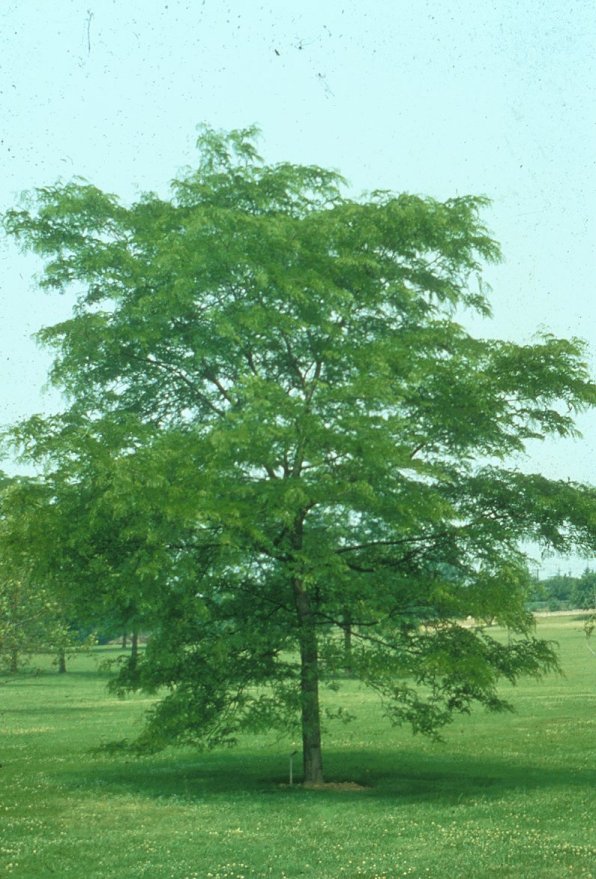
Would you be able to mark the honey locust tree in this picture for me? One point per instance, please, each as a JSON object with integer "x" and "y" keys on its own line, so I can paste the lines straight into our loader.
{"x": 304, "y": 442}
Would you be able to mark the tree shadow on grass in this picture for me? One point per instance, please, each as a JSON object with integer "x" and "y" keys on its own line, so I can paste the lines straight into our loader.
{"x": 42, "y": 677}
{"x": 386, "y": 775}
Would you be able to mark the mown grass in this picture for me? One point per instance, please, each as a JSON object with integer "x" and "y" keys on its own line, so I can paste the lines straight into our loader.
{"x": 504, "y": 796}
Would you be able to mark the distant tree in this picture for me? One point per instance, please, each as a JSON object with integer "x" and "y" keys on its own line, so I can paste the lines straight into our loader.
{"x": 34, "y": 617}
{"x": 584, "y": 593}
{"x": 22, "y": 617}
{"x": 282, "y": 442}
{"x": 566, "y": 591}
{"x": 32, "y": 622}
{"x": 559, "y": 590}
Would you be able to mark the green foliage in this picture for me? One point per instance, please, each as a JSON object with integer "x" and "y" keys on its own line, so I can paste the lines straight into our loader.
{"x": 275, "y": 419}
{"x": 35, "y": 615}
{"x": 31, "y": 621}
{"x": 584, "y": 591}
{"x": 24, "y": 612}
{"x": 563, "y": 592}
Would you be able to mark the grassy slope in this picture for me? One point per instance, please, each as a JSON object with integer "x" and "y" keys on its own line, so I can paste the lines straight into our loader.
{"x": 506, "y": 796}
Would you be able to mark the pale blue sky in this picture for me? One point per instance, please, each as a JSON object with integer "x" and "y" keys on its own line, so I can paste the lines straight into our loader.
{"x": 440, "y": 98}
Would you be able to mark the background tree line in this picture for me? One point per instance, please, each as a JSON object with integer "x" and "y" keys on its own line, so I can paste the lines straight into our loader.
{"x": 564, "y": 592}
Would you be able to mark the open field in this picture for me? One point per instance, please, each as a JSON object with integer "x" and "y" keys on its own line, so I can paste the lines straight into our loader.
{"x": 505, "y": 796}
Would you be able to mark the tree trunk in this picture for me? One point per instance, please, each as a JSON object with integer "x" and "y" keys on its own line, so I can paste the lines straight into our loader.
{"x": 134, "y": 648}
{"x": 14, "y": 660}
{"x": 124, "y": 641}
{"x": 347, "y": 627}
{"x": 62, "y": 662}
{"x": 309, "y": 687}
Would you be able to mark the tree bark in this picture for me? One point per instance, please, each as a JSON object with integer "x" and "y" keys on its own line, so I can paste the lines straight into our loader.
{"x": 134, "y": 648}
{"x": 309, "y": 687}
{"x": 62, "y": 662}
{"x": 347, "y": 628}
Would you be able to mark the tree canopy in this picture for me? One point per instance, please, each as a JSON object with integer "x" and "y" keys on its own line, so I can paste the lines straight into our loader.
{"x": 34, "y": 617}
{"x": 565, "y": 592}
{"x": 280, "y": 443}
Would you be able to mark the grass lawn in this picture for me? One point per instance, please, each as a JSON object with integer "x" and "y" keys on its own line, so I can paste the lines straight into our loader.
{"x": 504, "y": 796}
